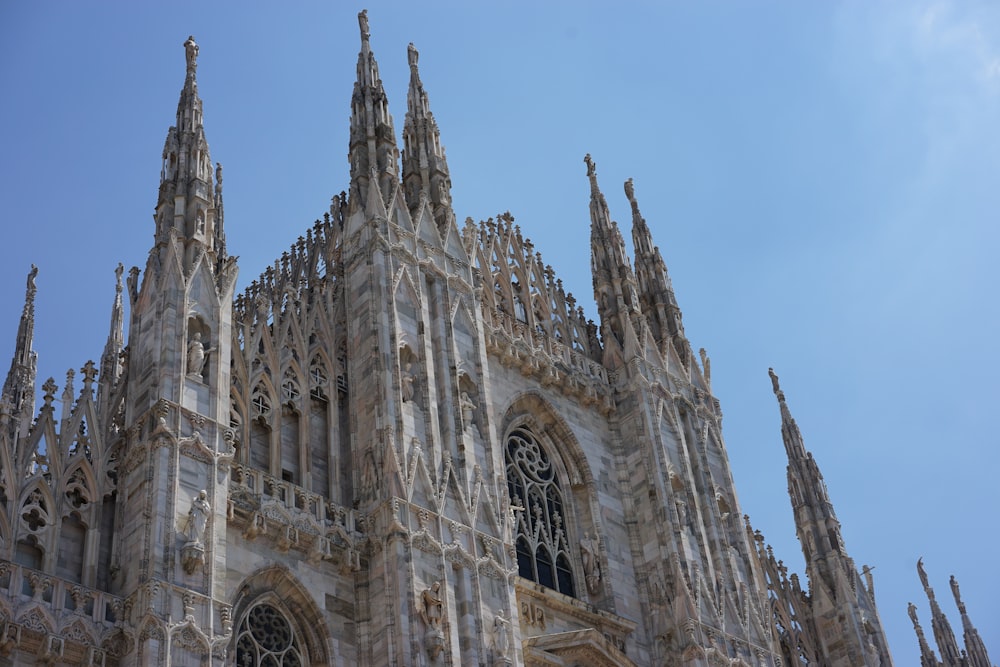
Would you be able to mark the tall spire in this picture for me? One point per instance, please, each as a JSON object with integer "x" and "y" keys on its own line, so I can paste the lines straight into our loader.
{"x": 927, "y": 657}
{"x": 186, "y": 205}
{"x": 975, "y": 649}
{"x": 656, "y": 294}
{"x": 815, "y": 521}
{"x": 944, "y": 637}
{"x": 111, "y": 361}
{"x": 373, "y": 138}
{"x": 614, "y": 282}
{"x": 425, "y": 168}
{"x": 18, "y": 398}
{"x": 841, "y": 604}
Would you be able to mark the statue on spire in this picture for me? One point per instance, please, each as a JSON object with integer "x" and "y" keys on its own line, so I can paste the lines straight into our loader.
{"x": 363, "y": 24}
{"x": 191, "y": 54}
{"x": 412, "y": 55}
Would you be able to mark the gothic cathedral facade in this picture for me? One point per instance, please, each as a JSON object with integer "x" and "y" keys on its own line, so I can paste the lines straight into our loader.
{"x": 403, "y": 444}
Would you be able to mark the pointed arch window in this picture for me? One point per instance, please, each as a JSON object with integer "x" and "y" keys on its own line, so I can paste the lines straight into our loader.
{"x": 533, "y": 484}
{"x": 266, "y": 639}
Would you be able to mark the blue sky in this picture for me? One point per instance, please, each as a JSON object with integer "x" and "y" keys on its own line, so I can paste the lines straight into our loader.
{"x": 822, "y": 179}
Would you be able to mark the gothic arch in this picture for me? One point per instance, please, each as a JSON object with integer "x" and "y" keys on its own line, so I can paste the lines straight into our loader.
{"x": 531, "y": 417}
{"x": 277, "y": 587}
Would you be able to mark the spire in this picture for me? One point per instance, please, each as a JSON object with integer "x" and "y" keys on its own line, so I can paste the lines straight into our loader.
{"x": 656, "y": 294}
{"x": 815, "y": 521}
{"x": 614, "y": 282}
{"x": 975, "y": 649}
{"x": 18, "y": 398}
{"x": 794, "y": 445}
{"x": 111, "y": 361}
{"x": 841, "y": 604}
{"x": 186, "y": 206}
{"x": 425, "y": 168}
{"x": 943, "y": 635}
{"x": 220, "y": 231}
{"x": 927, "y": 657}
{"x": 373, "y": 138}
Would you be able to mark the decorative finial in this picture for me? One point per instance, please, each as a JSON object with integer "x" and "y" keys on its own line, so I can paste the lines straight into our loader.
{"x": 191, "y": 54}
{"x": 363, "y": 24}
{"x": 412, "y": 55}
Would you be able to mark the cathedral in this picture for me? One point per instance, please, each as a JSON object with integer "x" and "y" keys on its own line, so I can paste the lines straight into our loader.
{"x": 403, "y": 444}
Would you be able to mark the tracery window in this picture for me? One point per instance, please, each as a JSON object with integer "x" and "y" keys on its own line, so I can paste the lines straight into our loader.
{"x": 266, "y": 639}
{"x": 542, "y": 544}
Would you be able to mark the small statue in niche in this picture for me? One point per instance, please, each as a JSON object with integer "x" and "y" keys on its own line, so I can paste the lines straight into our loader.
{"x": 591, "y": 568}
{"x": 406, "y": 381}
{"x": 196, "y": 355}
{"x": 468, "y": 407}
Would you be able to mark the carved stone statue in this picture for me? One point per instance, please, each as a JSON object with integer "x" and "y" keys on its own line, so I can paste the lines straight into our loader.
{"x": 406, "y": 380}
{"x": 591, "y": 568}
{"x": 193, "y": 551}
{"x": 431, "y": 613}
{"x": 191, "y": 53}
{"x": 198, "y": 518}
{"x": 501, "y": 635}
{"x": 433, "y": 605}
{"x": 196, "y": 355}
{"x": 468, "y": 407}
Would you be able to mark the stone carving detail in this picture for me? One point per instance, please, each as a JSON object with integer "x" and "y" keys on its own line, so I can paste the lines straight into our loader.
{"x": 501, "y": 638}
{"x": 591, "y": 567}
{"x": 193, "y": 551}
{"x": 197, "y": 354}
{"x": 431, "y": 612}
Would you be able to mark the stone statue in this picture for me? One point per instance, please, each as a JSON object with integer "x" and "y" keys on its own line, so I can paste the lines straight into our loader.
{"x": 501, "y": 635}
{"x": 191, "y": 53}
{"x": 31, "y": 279}
{"x": 911, "y": 609}
{"x": 196, "y": 355}
{"x": 406, "y": 380}
{"x": 922, "y": 574}
{"x": 198, "y": 518}
{"x": 433, "y": 606}
{"x": 774, "y": 380}
{"x": 412, "y": 55}
{"x": 363, "y": 23}
{"x": 591, "y": 568}
{"x": 468, "y": 407}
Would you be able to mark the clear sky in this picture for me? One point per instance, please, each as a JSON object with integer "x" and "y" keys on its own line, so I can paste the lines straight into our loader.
{"x": 822, "y": 179}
